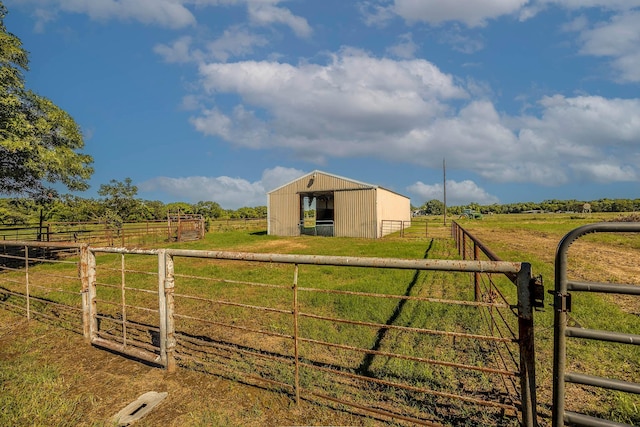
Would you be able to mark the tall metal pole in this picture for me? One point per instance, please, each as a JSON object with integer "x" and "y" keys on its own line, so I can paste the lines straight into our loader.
{"x": 444, "y": 186}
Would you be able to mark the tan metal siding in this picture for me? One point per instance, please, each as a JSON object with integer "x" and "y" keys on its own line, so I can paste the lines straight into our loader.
{"x": 321, "y": 182}
{"x": 284, "y": 214}
{"x": 392, "y": 206}
{"x": 355, "y": 213}
{"x": 284, "y": 203}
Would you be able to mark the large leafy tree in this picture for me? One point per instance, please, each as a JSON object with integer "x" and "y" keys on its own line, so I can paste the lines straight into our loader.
{"x": 120, "y": 202}
{"x": 39, "y": 142}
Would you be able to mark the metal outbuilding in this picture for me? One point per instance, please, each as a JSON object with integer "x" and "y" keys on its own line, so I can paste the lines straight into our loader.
{"x": 321, "y": 203}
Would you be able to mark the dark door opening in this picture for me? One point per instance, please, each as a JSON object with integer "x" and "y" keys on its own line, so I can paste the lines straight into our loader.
{"x": 316, "y": 213}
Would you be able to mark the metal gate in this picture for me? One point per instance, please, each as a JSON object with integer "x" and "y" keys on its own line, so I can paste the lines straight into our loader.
{"x": 125, "y": 307}
{"x": 562, "y": 307}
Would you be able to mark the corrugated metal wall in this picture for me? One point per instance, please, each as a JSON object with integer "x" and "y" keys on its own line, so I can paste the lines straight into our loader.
{"x": 359, "y": 208}
{"x": 284, "y": 202}
{"x": 355, "y": 213}
{"x": 284, "y": 214}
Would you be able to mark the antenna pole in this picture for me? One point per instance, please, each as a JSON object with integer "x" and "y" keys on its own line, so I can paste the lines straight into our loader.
{"x": 444, "y": 186}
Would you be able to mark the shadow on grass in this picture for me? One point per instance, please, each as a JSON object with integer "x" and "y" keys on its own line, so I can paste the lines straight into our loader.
{"x": 365, "y": 366}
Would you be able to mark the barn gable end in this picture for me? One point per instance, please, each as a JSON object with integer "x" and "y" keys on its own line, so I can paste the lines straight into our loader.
{"x": 326, "y": 204}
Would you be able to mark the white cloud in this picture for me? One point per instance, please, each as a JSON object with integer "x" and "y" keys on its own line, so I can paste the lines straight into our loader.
{"x": 279, "y": 176}
{"x": 472, "y": 13}
{"x": 234, "y": 42}
{"x": 177, "y": 52}
{"x": 265, "y": 13}
{"x": 583, "y": 4}
{"x": 408, "y": 111}
{"x": 344, "y": 108}
{"x": 405, "y": 48}
{"x": 604, "y": 172}
{"x": 166, "y": 13}
{"x": 458, "y": 193}
{"x": 375, "y": 14}
{"x": 460, "y": 42}
{"x": 230, "y": 193}
{"x": 618, "y": 39}
{"x": 591, "y": 121}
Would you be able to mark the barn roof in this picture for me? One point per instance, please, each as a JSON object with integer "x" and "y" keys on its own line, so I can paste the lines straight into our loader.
{"x": 364, "y": 184}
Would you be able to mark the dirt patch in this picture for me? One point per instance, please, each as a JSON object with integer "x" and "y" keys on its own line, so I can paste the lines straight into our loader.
{"x": 278, "y": 246}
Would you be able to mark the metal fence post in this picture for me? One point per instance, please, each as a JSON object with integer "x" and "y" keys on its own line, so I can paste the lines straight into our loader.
{"x": 527, "y": 352}
{"x": 476, "y": 275}
{"x": 295, "y": 335}
{"x": 464, "y": 246}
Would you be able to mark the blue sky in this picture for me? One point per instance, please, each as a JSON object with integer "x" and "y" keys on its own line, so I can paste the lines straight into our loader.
{"x": 225, "y": 100}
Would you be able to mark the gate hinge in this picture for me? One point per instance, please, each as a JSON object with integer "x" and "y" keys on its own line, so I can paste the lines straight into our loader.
{"x": 561, "y": 302}
{"x": 536, "y": 287}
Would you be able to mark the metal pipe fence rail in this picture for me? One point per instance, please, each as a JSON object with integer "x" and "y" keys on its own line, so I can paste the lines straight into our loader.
{"x": 317, "y": 327}
{"x": 563, "y": 305}
{"x": 53, "y": 294}
{"x": 99, "y": 233}
{"x": 405, "y": 229}
{"x": 486, "y": 289}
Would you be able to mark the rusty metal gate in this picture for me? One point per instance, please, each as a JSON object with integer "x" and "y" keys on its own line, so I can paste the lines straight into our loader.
{"x": 562, "y": 307}
{"x": 137, "y": 302}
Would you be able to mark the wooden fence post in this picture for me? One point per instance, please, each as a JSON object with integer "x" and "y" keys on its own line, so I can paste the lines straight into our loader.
{"x": 84, "y": 280}
{"x": 166, "y": 305}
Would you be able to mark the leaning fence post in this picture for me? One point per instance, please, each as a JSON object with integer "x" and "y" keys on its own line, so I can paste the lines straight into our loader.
{"x": 527, "y": 353}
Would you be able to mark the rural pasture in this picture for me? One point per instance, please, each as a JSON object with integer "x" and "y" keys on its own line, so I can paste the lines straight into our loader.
{"x": 82, "y": 385}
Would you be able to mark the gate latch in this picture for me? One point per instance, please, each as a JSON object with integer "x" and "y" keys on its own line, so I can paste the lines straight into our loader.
{"x": 561, "y": 302}
{"x": 536, "y": 287}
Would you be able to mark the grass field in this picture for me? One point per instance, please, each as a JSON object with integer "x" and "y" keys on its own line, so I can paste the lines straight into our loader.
{"x": 38, "y": 360}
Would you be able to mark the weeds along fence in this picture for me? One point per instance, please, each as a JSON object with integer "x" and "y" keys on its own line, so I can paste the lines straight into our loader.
{"x": 397, "y": 338}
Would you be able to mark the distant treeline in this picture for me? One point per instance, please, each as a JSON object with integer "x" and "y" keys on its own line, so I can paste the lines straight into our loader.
{"x": 436, "y": 207}
{"x": 119, "y": 205}
{"x": 21, "y": 211}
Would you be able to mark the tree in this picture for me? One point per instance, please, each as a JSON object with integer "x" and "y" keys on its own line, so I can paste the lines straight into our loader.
{"x": 208, "y": 209}
{"x": 39, "y": 142}
{"x": 120, "y": 202}
{"x": 434, "y": 207}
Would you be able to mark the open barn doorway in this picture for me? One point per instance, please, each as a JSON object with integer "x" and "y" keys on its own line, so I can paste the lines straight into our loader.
{"x": 316, "y": 213}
